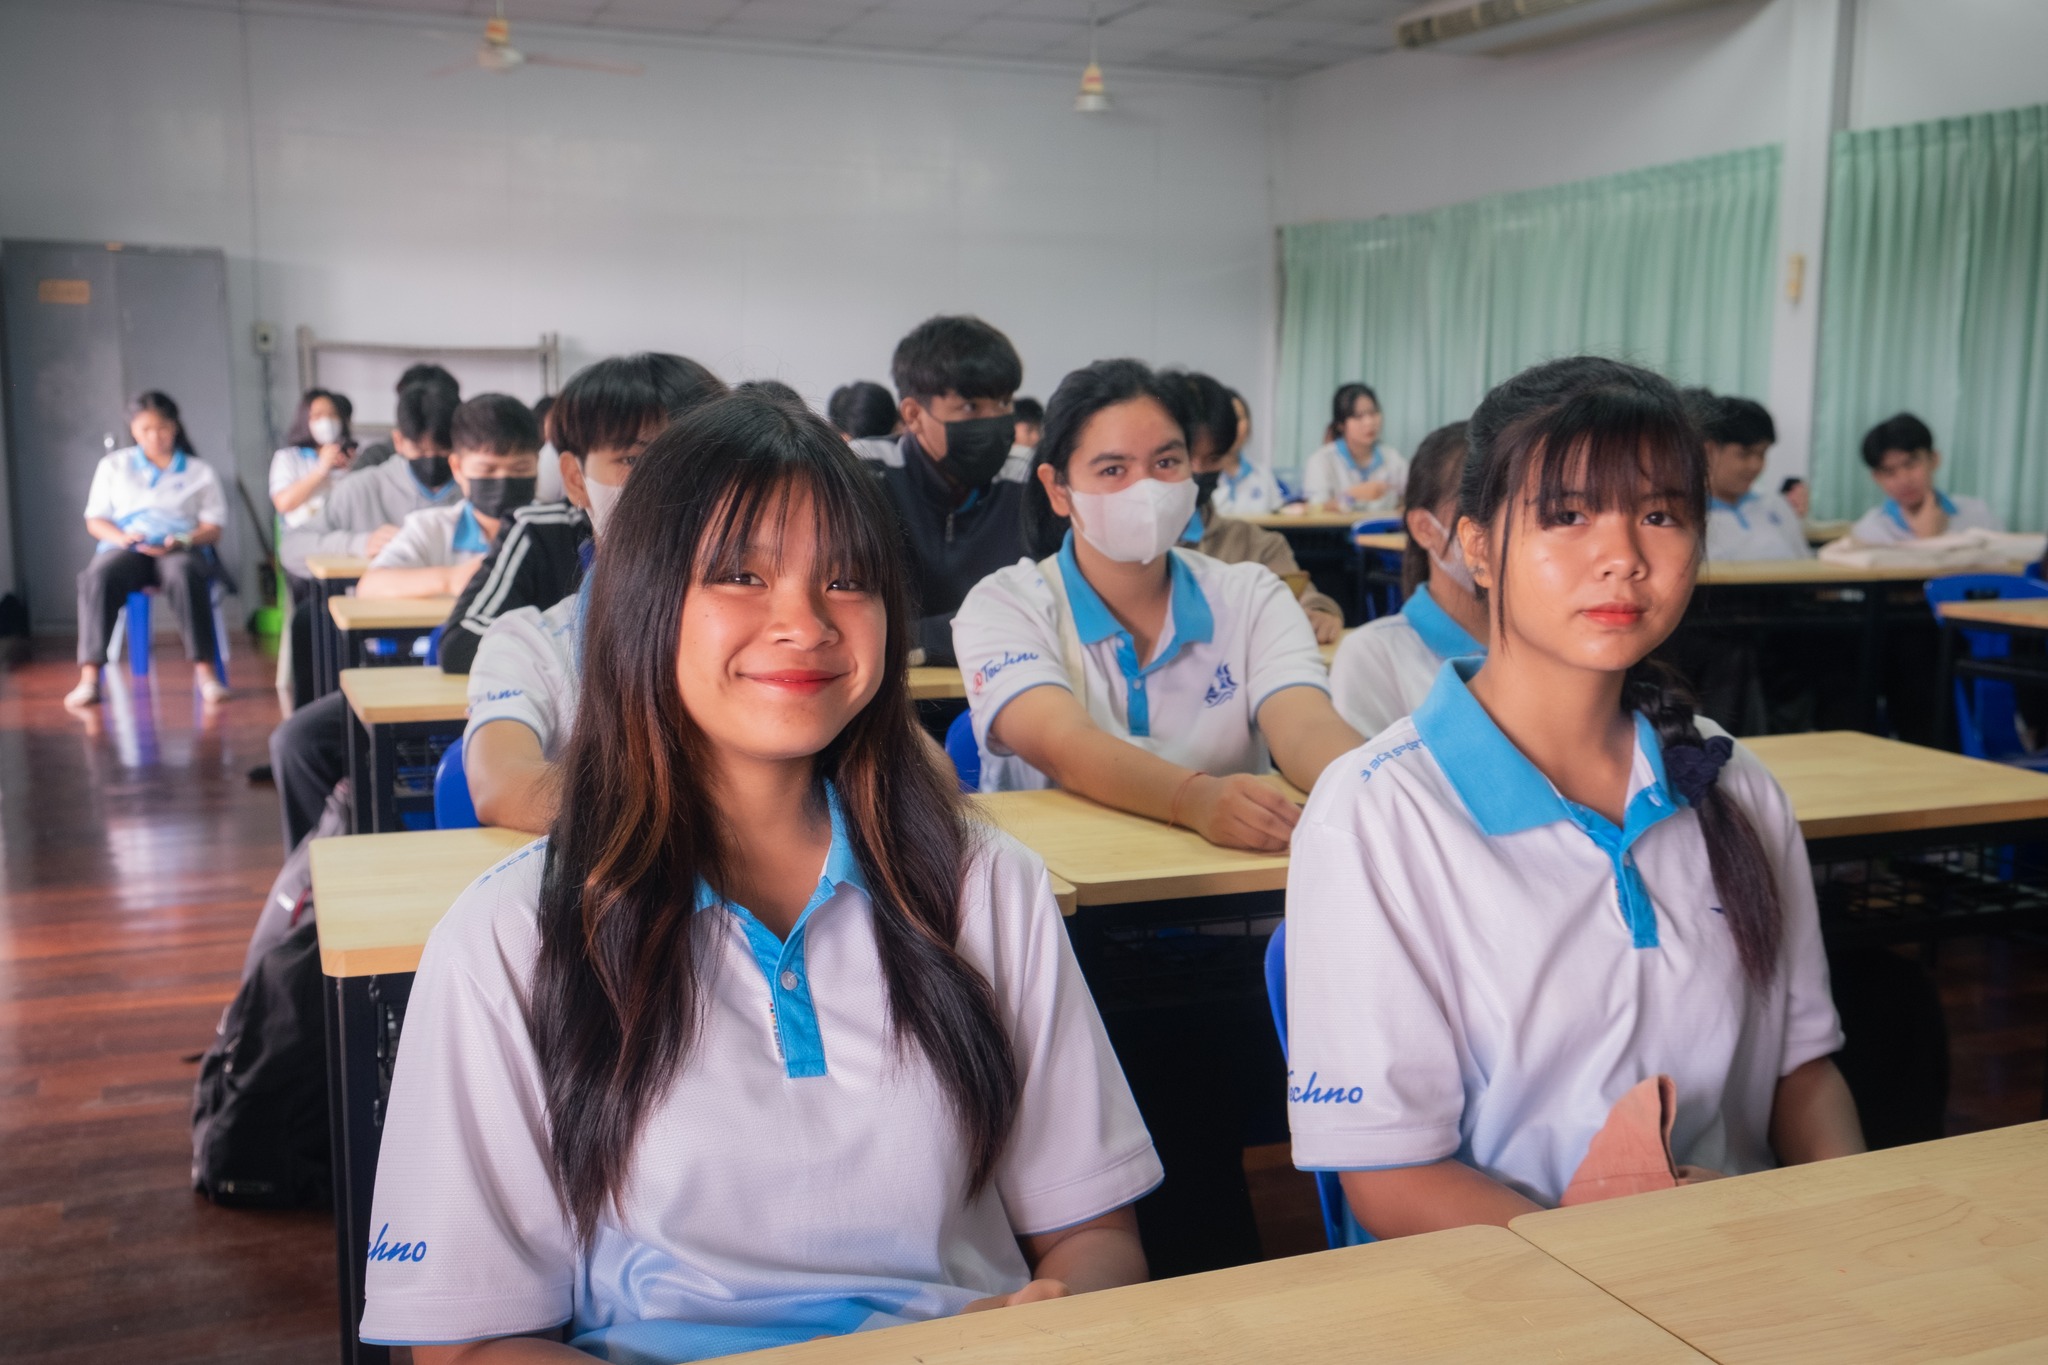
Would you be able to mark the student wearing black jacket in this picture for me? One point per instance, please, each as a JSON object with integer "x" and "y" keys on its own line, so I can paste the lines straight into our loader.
{"x": 957, "y": 476}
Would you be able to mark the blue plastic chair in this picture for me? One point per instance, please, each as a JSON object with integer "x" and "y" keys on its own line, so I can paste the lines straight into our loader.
{"x": 1986, "y": 711}
{"x": 965, "y": 753}
{"x": 1339, "y": 1226}
{"x": 452, "y": 807}
{"x": 433, "y": 659}
{"x": 136, "y": 611}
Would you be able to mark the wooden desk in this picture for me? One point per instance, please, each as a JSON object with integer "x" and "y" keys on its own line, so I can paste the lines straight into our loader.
{"x": 400, "y": 721}
{"x": 1064, "y": 893}
{"x": 403, "y": 621}
{"x": 1821, "y": 532}
{"x": 327, "y": 568}
{"x": 2013, "y": 614}
{"x": 332, "y": 576}
{"x": 377, "y": 897}
{"x": 933, "y": 682}
{"x": 1475, "y": 1295}
{"x": 1392, "y": 542}
{"x": 1115, "y": 858}
{"x": 1934, "y": 1252}
{"x": 1844, "y": 783}
{"x": 2020, "y": 619}
{"x": 1314, "y": 521}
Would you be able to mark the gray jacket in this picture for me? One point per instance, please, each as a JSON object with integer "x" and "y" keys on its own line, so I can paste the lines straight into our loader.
{"x": 381, "y": 496}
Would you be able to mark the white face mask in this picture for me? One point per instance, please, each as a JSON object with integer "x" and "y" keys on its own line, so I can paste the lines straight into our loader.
{"x": 1451, "y": 564}
{"x": 1135, "y": 525}
{"x": 326, "y": 430}
{"x": 603, "y": 497}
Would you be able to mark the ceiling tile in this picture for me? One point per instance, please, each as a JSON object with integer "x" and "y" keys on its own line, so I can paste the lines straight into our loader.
{"x": 680, "y": 16}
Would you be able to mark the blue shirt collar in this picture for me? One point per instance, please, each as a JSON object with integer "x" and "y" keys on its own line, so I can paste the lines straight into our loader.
{"x": 1500, "y": 787}
{"x": 1364, "y": 471}
{"x": 1892, "y": 509}
{"x": 1093, "y": 623}
{"x": 153, "y": 472}
{"x": 469, "y": 536}
{"x": 1444, "y": 636}
{"x": 842, "y": 867}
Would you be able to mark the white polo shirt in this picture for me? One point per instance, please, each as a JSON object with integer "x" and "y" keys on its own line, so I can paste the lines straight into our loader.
{"x": 433, "y": 538}
{"x": 802, "y": 1177}
{"x": 525, "y": 670}
{"x": 1234, "y": 636}
{"x": 1384, "y": 669}
{"x": 1758, "y": 526}
{"x": 1477, "y": 968}
{"x": 1332, "y": 469}
{"x": 292, "y": 463}
{"x": 137, "y": 496}
{"x": 1885, "y": 524}
{"x": 1254, "y": 492}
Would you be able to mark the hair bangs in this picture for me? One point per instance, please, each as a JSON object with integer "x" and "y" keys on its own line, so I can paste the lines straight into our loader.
{"x": 753, "y": 517}
{"x": 1608, "y": 451}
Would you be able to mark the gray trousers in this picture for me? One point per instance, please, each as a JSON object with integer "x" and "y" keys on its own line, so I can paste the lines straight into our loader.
{"x": 183, "y": 578}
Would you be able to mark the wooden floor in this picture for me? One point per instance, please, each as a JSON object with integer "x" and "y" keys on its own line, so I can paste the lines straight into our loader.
{"x": 134, "y": 853}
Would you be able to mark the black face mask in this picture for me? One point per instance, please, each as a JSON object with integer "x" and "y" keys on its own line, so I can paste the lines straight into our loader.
{"x": 977, "y": 447}
{"x": 499, "y": 498}
{"x": 1205, "y": 486}
{"x": 431, "y": 470}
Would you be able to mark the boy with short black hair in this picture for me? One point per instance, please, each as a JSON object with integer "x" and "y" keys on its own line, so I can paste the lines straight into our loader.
{"x": 1030, "y": 415}
{"x": 956, "y": 476}
{"x": 1741, "y": 522}
{"x": 1902, "y": 459}
{"x": 496, "y": 464}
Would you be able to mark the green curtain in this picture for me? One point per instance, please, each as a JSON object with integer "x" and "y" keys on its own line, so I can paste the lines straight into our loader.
{"x": 1935, "y": 302}
{"x": 1670, "y": 267}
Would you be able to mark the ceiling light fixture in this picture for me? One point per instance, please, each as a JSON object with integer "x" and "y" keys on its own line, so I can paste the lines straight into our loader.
{"x": 1094, "y": 96}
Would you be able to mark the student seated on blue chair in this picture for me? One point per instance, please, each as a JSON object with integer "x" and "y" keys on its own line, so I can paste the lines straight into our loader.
{"x": 1153, "y": 679}
{"x": 1386, "y": 667}
{"x": 1903, "y": 461}
{"x": 154, "y": 507}
{"x": 523, "y": 680}
{"x": 667, "y": 1093}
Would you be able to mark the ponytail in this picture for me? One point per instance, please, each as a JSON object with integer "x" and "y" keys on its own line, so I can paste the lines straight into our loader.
{"x": 1742, "y": 872}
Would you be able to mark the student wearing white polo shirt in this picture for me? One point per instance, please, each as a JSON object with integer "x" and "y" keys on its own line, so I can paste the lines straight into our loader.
{"x": 316, "y": 455}
{"x": 1900, "y": 454}
{"x": 153, "y": 507}
{"x": 1550, "y": 883}
{"x": 1383, "y": 670}
{"x": 770, "y": 1039}
{"x": 1244, "y": 487}
{"x": 1148, "y": 678}
{"x": 1741, "y": 522}
{"x": 497, "y": 465}
{"x": 1354, "y": 471}
{"x": 522, "y": 680}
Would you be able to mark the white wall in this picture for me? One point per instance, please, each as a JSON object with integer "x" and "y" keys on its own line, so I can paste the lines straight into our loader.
{"x": 772, "y": 213}
{"x": 1929, "y": 59}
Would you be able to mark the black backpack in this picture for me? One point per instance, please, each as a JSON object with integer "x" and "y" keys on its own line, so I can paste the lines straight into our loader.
{"x": 259, "y": 1112}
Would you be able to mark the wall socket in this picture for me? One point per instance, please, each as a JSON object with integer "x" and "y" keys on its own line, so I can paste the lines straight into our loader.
{"x": 264, "y": 335}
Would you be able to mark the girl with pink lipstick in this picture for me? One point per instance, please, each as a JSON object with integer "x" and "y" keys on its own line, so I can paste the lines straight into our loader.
{"x": 768, "y": 1040}
{"x": 1552, "y": 884}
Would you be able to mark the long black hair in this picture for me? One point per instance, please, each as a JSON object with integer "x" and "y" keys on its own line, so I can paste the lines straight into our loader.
{"x": 616, "y": 1000}
{"x": 1079, "y": 397}
{"x": 166, "y": 407}
{"x": 1603, "y": 435}
{"x": 1342, "y": 402}
{"x": 301, "y": 431}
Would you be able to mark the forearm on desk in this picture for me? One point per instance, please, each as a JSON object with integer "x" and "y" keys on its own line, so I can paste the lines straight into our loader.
{"x": 1813, "y": 1115}
{"x": 511, "y": 784}
{"x": 1408, "y": 1200}
{"x": 1047, "y": 728}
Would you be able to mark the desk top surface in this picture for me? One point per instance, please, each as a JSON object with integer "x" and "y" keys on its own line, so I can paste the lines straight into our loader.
{"x": 937, "y": 682}
{"x": 389, "y": 613}
{"x": 1114, "y": 858}
{"x": 380, "y": 895}
{"x": 1314, "y": 521}
{"x": 1844, "y": 782}
{"x": 2029, "y": 613}
{"x": 1477, "y": 1295}
{"x": 390, "y": 696}
{"x": 1938, "y": 1251}
{"x": 336, "y": 566}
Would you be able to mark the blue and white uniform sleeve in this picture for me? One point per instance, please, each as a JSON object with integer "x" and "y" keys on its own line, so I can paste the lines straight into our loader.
{"x": 1812, "y": 1028}
{"x": 1007, "y": 638}
{"x": 1079, "y": 1148}
{"x": 467, "y": 1238}
{"x": 1373, "y": 1076}
{"x": 508, "y": 678}
{"x": 1280, "y": 644}
{"x": 419, "y": 544}
{"x": 1319, "y": 479}
{"x": 100, "y": 499}
{"x": 1363, "y": 685}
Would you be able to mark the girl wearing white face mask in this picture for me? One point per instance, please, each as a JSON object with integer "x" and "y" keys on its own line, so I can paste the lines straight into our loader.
{"x": 1383, "y": 670}
{"x": 316, "y": 454}
{"x": 1149, "y": 678}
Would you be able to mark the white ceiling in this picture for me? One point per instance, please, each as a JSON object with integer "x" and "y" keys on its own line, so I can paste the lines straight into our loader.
{"x": 1269, "y": 38}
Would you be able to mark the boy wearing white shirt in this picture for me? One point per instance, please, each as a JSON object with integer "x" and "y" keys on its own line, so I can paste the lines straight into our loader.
{"x": 497, "y": 465}
{"x": 1741, "y": 522}
{"x": 1903, "y": 461}
{"x": 523, "y": 678}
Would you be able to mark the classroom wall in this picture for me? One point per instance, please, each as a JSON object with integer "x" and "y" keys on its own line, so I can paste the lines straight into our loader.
{"x": 771, "y": 212}
{"x": 1915, "y": 60}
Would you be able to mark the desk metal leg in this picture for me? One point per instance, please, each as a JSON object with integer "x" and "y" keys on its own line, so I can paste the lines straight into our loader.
{"x": 361, "y": 808}
{"x": 364, "y": 1017}
{"x": 384, "y": 780}
{"x": 1870, "y": 661}
{"x": 1944, "y": 691}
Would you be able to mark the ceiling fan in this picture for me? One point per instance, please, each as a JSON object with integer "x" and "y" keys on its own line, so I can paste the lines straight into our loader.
{"x": 496, "y": 54}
